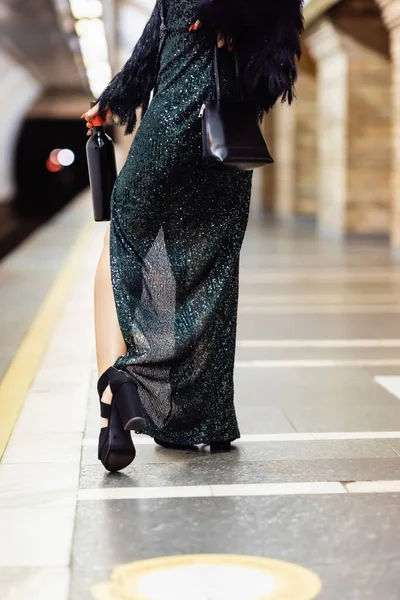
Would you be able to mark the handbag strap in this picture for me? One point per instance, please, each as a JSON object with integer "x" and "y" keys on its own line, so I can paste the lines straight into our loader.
{"x": 217, "y": 74}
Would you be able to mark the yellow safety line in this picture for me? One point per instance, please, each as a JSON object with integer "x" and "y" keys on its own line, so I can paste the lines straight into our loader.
{"x": 16, "y": 383}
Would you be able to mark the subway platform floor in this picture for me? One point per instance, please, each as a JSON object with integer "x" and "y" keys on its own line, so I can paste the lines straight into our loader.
{"x": 314, "y": 480}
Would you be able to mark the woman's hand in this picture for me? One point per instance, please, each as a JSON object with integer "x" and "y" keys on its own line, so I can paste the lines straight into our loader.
{"x": 221, "y": 41}
{"x": 91, "y": 114}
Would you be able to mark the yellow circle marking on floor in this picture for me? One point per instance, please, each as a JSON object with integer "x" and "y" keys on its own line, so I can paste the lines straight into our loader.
{"x": 210, "y": 577}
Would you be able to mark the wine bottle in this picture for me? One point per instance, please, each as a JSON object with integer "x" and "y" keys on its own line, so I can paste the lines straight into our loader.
{"x": 102, "y": 167}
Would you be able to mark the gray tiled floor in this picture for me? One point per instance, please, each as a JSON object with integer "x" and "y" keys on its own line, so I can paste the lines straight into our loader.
{"x": 263, "y": 451}
{"x": 377, "y": 353}
{"x": 221, "y": 472}
{"x": 319, "y": 326}
{"x": 349, "y": 419}
{"x": 315, "y": 286}
{"x": 350, "y": 540}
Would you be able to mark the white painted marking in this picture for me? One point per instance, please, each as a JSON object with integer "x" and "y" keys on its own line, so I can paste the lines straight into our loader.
{"x": 267, "y": 489}
{"x": 284, "y": 437}
{"x": 316, "y": 309}
{"x": 278, "y": 489}
{"x": 139, "y": 493}
{"x": 316, "y": 364}
{"x": 243, "y": 490}
{"x": 275, "y": 437}
{"x": 318, "y": 298}
{"x": 372, "y": 487}
{"x": 318, "y": 275}
{"x": 351, "y": 271}
{"x": 358, "y": 435}
{"x": 206, "y": 582}
{"x": 391, "y": 384}
{"x": 361, "y": 343}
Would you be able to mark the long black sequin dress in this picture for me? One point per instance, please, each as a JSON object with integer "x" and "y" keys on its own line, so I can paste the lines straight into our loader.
{"x": 176, "y": 235}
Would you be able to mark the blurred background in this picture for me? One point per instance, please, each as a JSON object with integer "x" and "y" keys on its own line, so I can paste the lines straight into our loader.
{"x": 337, "y": 152}
{"x": 55, "y": 56}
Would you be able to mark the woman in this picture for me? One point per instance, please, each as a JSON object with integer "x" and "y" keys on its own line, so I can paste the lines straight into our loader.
{"x": 166, "y": 309}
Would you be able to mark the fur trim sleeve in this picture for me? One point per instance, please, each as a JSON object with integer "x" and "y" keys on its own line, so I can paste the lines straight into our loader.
{"x": 267, "y": 36}
{"x": 131, "y": 87}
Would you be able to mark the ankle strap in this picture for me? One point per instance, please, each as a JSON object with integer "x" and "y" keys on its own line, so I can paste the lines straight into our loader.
{"x": 114, "y": 378}
{"x": 105, "y": 410}
{"x": 103, "y": 382}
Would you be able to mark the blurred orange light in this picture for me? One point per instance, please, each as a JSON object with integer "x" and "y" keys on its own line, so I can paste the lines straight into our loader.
{"x": 54, "y": 157}
{"x": 52, "y": 167}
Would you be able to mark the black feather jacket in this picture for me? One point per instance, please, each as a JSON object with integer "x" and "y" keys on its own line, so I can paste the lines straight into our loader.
{"x": 266, "y": 34}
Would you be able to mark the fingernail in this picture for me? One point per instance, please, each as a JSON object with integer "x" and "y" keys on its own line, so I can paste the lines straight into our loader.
{"x": 191, "y": 28}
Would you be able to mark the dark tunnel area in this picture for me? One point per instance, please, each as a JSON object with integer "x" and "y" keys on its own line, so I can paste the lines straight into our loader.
{"x": 43, "y": 186}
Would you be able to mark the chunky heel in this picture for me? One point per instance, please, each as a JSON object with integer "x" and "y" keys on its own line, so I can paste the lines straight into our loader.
{"x": 116, "y": 450}
{"x": 127, "y": 401}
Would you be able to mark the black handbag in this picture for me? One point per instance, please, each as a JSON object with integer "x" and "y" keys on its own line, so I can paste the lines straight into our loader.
{"x": 231, "y": 130}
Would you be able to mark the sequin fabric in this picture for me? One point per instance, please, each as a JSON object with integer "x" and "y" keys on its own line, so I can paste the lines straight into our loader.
{"x": 176, "y": 235}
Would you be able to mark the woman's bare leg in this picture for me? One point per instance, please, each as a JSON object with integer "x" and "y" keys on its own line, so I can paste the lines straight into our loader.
{"x": 110, "y": 344}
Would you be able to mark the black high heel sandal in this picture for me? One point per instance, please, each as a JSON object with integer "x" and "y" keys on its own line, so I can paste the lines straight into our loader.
{"x": 124, "y": 414}
{"x": 220, "y": 446}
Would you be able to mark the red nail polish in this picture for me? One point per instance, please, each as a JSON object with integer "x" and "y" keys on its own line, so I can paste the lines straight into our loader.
{"x": 191, "y": 28}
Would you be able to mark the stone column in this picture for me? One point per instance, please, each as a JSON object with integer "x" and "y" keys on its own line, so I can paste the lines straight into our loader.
{"x": 263, "y": 179}
{"x": 295, "y": 148}
{"x": 350, "y": 47}
{"x": 285, "y": 157}
{"x": 391, "y": 17}
{"x": 305, "y": 109}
